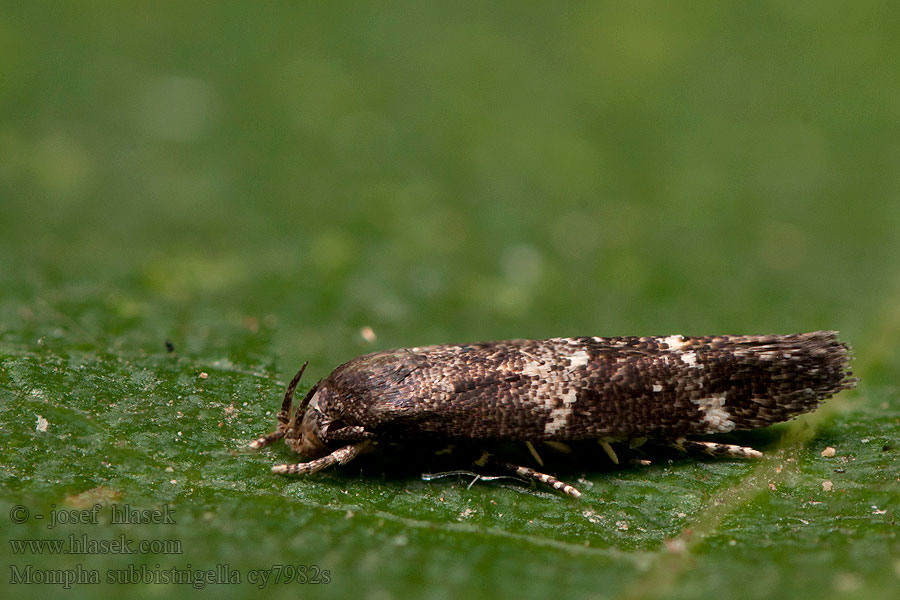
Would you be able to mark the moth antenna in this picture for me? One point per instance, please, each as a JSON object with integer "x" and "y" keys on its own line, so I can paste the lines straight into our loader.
{"x": 301, "y": 408}
{"x": 285, "y": 415}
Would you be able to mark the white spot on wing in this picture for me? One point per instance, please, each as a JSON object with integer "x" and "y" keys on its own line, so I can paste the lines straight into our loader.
{"x": 553, "y": 368}
{"x": 674, "y": 342}
{"x": 560, "y": 416}
{"x": 714, "y": 413}
{"x": 690, "y": 358}
{"x": 579, "y": 359}
{"x": 537, "y": 369}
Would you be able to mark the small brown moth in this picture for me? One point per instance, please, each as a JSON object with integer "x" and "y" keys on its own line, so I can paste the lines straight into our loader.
{"x": 562, "y": 389}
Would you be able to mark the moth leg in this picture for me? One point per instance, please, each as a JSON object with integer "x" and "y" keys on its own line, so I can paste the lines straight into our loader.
{"x": 351, "y": 433}
{"x": 560, "y": 447}
{"x": 715, "y": 449}
{"x": 534, "y": 453}
{"x": 284, "y": 415}
{"x": 635, "y": 443}
{"x": 340, "y": 456}
{"x": 550, "y": 480}
{"x": 609, "y": 451}
{"x": 267, "y": 440}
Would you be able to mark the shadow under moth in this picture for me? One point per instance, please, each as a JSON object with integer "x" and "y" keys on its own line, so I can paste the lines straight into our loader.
{"x": 562, "y": 389}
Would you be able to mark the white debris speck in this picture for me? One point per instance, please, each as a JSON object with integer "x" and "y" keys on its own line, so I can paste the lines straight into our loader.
{"x": 592, "y": 516}
{"x": 622, "y": 525}
{"x": 368, "y": 334}
{"x": 42, "y": 424}
{"x": 204, "y": 375}
{"x": 828, "y": 452}
{"x": 657, "y": 387}
{"x": 827, "y": 486}
{"x": 466, "y": 514}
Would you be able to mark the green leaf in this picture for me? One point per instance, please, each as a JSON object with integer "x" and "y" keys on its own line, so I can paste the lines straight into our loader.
{"x": 196, "y": 199}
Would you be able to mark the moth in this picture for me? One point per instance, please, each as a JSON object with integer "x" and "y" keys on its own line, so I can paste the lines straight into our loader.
{"x": 563, "y": 389}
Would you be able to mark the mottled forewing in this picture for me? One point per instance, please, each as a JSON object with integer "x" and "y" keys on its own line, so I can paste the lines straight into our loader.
{"x": 586, "y": 387}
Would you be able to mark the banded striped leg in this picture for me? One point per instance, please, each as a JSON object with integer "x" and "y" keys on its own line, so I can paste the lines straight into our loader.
{"x": 550, "y": 480}
{"x": 340, "y": 456}
{"x": 284, "y": 415}
{"x": 716, "y": 449}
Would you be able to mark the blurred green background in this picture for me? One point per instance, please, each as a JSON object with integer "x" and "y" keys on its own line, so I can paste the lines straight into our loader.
{"x": 258, "y": 183}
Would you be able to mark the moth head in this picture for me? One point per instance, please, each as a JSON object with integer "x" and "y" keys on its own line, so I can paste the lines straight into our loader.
{"x": 324, "y": 421}
{"x": 305, "y": 433}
